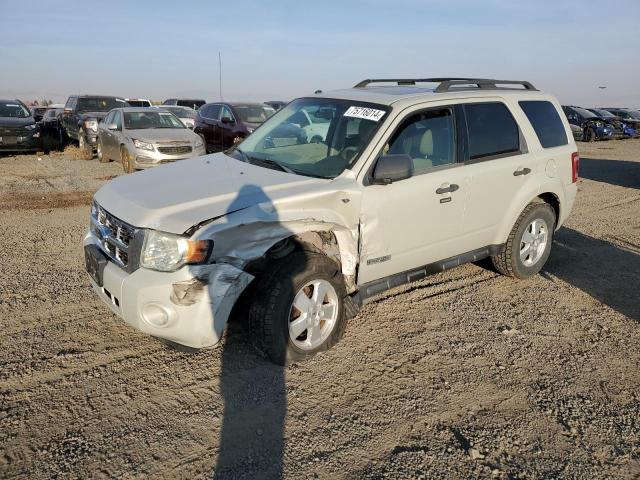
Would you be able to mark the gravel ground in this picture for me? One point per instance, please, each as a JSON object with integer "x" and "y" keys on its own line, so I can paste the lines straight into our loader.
{"x": 465, "y": 374}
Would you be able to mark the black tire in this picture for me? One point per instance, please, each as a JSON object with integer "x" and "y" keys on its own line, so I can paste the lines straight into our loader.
{"x": 269, "y": 312}
{"x": 508, "y": 262}
{"x": 86, "y": 151}
{"x": 125, "y": 159}
{"x": 100, "y": 152}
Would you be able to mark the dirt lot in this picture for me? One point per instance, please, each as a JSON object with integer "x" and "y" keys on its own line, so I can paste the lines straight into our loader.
{"x": 465, "y": 374}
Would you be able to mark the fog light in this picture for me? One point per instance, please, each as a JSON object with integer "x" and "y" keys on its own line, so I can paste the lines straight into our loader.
{"x": 143, "y": 159}
{"x": 156, "y": 315}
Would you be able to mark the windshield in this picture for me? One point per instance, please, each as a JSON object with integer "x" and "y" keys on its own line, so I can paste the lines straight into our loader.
{"x": 253, "y": 113}
{"x": 324, "y": 149}
{"x": 182, "y": 112}
{"x": 603, "y": 113}
{"x": 634, "y": 114}
{"x": 14, "y": 110}
{"x": 88, "y": 104}
{"x": 145, "y": 120}
{"x": 584, "y": 113}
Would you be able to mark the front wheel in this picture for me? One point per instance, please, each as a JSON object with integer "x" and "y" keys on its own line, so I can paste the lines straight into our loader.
{"x": 529, "y": 243}
{"x": 86, "y": 152}
{"x": 100, "y": 153}
{"x": 125, "y": 159}
{"x": 298, "y": 308}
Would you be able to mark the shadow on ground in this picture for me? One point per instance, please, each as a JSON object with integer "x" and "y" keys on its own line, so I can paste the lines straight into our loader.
{"x": 615, "y": 172}
{"x": 607, "y": 272}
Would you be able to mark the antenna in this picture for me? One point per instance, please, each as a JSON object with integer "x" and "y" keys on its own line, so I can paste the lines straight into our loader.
{"x": 220, "y": 73}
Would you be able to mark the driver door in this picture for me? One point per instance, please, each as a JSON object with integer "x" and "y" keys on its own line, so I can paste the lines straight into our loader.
{"x": 416, "y": 221}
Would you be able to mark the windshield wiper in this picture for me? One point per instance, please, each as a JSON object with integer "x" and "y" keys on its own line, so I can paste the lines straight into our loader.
{"x": 267, "y": 161}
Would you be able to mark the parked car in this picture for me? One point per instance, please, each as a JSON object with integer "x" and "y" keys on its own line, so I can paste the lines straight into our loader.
{"x": 138, "y": 102}
{"x": 312, "y": 230}
{"x": 37, "y": 112}
{"x": 185, "y": 102}
{"x": 630, "y": 117}
{"x": 577, "y": 132}
{"x": 51, "y": 130}
{"x": 222, "y": 125}
{"x": 187, "y": 115}
{"x": 81, "y": 116}
{"x": 594, "y": 127}
{"x": 145, "y": 137}
{"x": 276, "y": 104}
{"x": 627, "y": 130}
{"x": 19, "y": 131}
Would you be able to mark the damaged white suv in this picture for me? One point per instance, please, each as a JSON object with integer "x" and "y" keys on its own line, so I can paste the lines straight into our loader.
{"x": 405, "y": 180}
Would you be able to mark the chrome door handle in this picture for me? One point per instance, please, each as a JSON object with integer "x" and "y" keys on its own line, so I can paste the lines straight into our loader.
{"x": 451, "y": 188}
{"x": 522, "y": 171}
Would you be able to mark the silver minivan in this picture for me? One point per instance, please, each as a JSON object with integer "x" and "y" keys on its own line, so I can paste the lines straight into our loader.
{"x": 145, "y": 137}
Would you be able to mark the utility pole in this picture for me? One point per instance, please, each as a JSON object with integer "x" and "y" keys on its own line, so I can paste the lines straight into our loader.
{"x": 220, "y": 74}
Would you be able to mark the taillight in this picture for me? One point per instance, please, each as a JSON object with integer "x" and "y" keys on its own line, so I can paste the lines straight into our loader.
{"x": 575, "y": 166}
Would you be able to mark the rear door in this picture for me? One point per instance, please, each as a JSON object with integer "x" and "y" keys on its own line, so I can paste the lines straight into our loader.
{"x": 227, "y": 128}
{"x": 500, "y": 165}
{"x": 210, "y": 115}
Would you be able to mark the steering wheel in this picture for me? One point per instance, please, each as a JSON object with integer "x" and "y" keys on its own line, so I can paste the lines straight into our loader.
{"x": 348, "y": 153}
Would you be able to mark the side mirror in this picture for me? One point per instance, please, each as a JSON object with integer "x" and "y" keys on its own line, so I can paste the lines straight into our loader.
{"x": 112, "y": 126}
{"x": 392, "y": 168}
{"x": 226, "y": 120}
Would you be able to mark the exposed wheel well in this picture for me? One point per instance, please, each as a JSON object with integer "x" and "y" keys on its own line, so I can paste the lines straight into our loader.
{"x": 552, "y": 200}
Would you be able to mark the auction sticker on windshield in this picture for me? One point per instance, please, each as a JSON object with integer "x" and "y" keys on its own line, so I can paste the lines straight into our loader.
{"x": 365, "y": 113}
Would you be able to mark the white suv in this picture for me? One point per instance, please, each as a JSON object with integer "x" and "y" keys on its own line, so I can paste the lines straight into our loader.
{"x": 406, "y": 181}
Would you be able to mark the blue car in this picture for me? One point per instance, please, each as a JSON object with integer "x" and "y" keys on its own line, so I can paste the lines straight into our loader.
{"x": 593, "y": 127}
{"x": 627, "y": 129}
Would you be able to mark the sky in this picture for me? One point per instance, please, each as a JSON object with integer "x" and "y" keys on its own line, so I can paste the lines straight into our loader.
{"x": 280, "y": 50}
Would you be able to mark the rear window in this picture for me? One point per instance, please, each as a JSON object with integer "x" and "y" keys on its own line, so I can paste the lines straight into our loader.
{"x": 492, "y": 130}
{"x": 546, "y": 122}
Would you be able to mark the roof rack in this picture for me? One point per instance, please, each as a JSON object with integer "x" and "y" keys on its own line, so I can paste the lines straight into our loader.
{"x": 453, "y": 83}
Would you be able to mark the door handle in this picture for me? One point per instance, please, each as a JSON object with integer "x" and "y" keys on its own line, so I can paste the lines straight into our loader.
{"x": 451, "y": 188}
{"x": 522, "y": 171}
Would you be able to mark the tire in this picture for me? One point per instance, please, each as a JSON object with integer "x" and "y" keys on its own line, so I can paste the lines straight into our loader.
{"x": 86, "y": 152}
{"x": 513, "y": 261}
{"x": 591, "y": 135}
{"x": 101, "y": 156}
{"x": 125, "y": 159}
{"x": 272, "y": 309}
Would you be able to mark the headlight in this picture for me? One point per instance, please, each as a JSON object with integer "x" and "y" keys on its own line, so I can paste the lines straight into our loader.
{"x": 91, "y": 125}
{"x": 167, "y": 252}
{"x": 142, "y": 145}
{"x": 33, "y": 126}
{"x": 198, "y": 143}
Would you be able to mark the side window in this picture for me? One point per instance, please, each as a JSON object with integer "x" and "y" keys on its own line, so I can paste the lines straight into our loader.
{"x": 108, "y": 119}
{"x": 117, "y": 119}
{"x": 72, "y": 103}
{"x": 69, "y": 101}
{"x": 491, "y": 130}
{"x": 227, "y": 113}
{"x": 427, "y": 137}
{"x": 212, "y": 112}
{"x": 546, "y": 122}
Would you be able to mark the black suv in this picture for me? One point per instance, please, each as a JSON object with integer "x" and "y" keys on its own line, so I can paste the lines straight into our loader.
{"x": 81, "y": 116}
{"x": 18, "y": 129}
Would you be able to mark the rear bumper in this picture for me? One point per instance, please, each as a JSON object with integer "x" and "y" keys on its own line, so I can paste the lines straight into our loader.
{"x": 190, "y": 306}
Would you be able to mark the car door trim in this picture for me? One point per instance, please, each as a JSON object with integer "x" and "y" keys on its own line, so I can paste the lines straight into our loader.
{"x": 375, "y": 287}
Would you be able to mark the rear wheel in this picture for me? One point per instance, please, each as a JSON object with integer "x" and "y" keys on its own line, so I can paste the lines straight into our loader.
{"x": 298, "y": 308}
{"x": 529, "y": 243}
{"x": 125, "y": 159}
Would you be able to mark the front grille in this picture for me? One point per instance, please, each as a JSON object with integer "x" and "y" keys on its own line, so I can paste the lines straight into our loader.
{"x": 175, "y": 150}
{"x": 115, "y": 236}
{"x": 13, "y": 131}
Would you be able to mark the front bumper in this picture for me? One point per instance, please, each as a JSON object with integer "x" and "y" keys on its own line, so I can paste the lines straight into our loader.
{"x": 24, "y": 142}
{"x": 148, "y": 158}
{"x": 190, "y": 306}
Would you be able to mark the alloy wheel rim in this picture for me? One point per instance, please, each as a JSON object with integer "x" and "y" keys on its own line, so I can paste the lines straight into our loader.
{"x": 313, "y": 314}
{"x": 99, "y": 151}
{"x": 534, "y": 242}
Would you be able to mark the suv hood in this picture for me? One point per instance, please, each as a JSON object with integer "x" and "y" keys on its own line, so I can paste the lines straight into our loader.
{"x": 174, "y": 197}
{"x": 16, "y": 122}
{"x": 97, "y": 115}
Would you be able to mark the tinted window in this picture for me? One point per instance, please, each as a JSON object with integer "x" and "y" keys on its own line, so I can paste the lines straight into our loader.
{"x": 108, "y": 119}
{"x": 117, "y": 119}
{"x": 491, "y": 130}
{"x": 226, "y": 113}
{"x": 428, "y": 138}
{"x": 211, "y": 111}
{"x": 546, "y": 122}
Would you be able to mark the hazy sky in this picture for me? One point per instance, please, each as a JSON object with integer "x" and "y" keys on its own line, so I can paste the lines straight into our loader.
{"x": 284, "y": 49}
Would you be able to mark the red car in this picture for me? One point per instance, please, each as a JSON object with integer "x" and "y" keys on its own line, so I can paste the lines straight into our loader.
{"x": 222, "y": 125}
